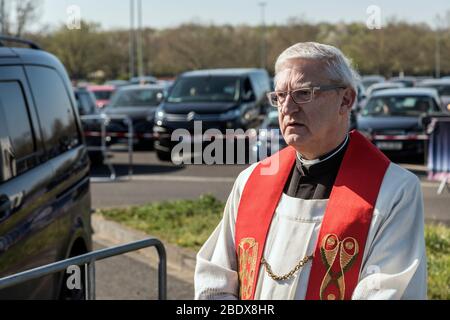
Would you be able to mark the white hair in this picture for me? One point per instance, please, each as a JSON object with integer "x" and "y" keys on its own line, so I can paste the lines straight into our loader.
{"x": 338, "y": 67}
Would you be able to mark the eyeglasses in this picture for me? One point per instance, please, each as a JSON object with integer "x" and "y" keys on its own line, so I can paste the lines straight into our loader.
{"x": 299, "y": 96}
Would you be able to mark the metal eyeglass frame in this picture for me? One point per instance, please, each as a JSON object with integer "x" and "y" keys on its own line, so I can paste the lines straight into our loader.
{"x": 313, "y": 91}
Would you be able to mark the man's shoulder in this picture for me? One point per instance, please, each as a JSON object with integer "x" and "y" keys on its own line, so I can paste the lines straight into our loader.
{"x": 398, "y": 185}
{"x": 400, "y": 176}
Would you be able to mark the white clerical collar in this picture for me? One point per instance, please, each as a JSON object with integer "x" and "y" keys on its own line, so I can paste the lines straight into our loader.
{"x": 307, "y": 162}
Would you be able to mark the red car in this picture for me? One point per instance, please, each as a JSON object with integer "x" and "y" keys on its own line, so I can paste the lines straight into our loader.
{"x": 102, "y": 94}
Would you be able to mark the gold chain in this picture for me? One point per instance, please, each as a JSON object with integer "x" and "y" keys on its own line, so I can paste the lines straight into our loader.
{"x": 288, "y": 275}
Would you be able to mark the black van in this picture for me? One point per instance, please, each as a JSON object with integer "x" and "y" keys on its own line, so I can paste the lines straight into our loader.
{"x": 219, "y": 98}
{"x": 45, "y": 202}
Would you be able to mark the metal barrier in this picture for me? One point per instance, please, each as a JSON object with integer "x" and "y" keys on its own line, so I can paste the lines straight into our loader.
{"x": 104, "y": 121}
{"x": 88, "y": 260}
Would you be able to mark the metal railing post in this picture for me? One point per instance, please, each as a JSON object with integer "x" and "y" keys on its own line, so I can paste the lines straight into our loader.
{"x": 162, "y": 273}
{"x": 90, "y": 280}
{"x": 130, "y": 147}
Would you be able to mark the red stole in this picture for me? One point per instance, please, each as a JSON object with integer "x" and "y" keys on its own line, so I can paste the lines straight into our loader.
{"x": 345, "y": 225}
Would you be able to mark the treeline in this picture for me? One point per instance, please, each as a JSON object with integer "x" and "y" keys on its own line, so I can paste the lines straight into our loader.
{"x": 398, "y": 47}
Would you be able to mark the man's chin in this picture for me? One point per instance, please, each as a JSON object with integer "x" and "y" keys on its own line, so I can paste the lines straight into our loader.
{"x": 296, "y": 140}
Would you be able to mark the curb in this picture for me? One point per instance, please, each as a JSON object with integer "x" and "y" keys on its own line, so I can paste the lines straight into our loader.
{"x": 180, "y": 261}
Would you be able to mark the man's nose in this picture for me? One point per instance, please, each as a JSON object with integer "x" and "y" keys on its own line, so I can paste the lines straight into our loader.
{"x": 289, "y": 106}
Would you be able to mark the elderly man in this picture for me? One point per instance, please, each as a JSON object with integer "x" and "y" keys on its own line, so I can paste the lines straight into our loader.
{"x": 336, "y": 220}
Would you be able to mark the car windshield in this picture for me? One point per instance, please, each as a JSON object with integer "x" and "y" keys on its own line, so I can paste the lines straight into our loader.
{"x": 398, "y": 106}
{"x": 205, "y": 89}
{"x": 442, "y": 89}
{"x": 137, "y": 98}
{"x": 103, "y": 94}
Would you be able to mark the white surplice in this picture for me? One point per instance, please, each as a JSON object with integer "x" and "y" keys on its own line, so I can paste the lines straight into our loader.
{"x": 394, "y": 261}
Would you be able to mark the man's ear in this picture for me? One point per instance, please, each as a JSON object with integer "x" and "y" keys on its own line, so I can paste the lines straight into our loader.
{"x": 348, "y": 100}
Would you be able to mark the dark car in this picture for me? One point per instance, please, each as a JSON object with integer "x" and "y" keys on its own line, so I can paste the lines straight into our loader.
{"x": 86, "y": 102}
{"x": 443, "y": 88}
{"x": 91, "y": 127}
{"x": 139, "y": 103}
{"x": 220, "y": 98}
{"x": 393, "y": 119}
{"x": 45, "y": 202}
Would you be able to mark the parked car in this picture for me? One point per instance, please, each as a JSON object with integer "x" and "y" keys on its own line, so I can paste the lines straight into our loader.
{"x": 408, "y": 81}
{"x": 443, "y": 88}
{"x": 139, "y": 103}
{"x": 219, "y": 98}
{"x": 369, "y": 80}
{"x": 383, "y": 86}
{"x": 393, "y": 119}
{"x": 361, "y": 98}
{"x": 102, "y": 94}
{"x": 91, "y": 127}
{"x": 45, "y": 202}
{"x": 117, "y": 83}
{"x": 143, "y": 80}
{"x": 86, "y": 102}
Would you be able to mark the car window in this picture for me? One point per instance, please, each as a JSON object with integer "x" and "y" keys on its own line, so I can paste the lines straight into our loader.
{"x": 54, "y": 109}
{"x": 137, "y": 98}
{"x": 399, "y": 106}
{"x": 248, "y": 92}
{"x": 16, "y": 138}
{"x": 103, "y": 94}
{"x": 205, "y": 89}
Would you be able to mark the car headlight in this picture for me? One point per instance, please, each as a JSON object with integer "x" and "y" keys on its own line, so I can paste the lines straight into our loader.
{"x": 159, "y": 115}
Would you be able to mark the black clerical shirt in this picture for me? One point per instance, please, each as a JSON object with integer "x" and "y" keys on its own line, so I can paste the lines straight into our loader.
{"x": 315, "y": 181}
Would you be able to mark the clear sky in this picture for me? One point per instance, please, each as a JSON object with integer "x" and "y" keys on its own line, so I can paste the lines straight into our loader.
{"x": 166, "y": 13}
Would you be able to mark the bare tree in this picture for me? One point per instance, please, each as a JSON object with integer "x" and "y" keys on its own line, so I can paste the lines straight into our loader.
{"x": 4, "y": 17}
{"x": 17, "y": 15}
{"x": 27, "y": 12}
